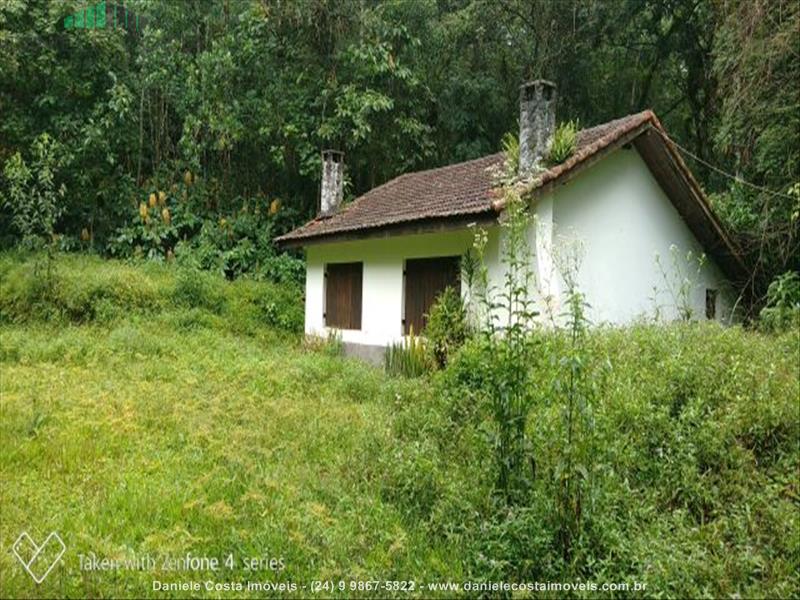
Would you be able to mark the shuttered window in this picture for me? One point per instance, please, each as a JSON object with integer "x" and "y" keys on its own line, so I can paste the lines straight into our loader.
{"x": 425, "y": 279}
{"x": 343, "y": 285}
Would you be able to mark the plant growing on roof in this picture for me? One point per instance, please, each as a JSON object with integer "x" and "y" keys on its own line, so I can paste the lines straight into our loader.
{"x": 565, "y": 141}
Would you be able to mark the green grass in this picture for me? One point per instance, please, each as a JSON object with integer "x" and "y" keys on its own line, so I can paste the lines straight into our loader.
{"x": 171, "y": 431}
{"x": 146, "y": 438}
{"x": 149, "y": 410}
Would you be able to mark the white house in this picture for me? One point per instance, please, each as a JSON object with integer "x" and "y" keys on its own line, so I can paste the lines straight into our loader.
{"x": 375, "y": 266}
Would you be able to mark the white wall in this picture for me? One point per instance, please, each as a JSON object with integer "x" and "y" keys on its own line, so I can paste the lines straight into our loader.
{"x": 383, "y": 258}
{"x": 620, "y": 215}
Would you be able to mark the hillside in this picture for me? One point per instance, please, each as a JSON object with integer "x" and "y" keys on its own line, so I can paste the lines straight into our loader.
{"x": 152, "y": 410}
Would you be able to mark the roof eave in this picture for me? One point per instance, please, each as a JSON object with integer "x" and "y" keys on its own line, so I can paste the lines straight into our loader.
{"x": 410, "y": 227}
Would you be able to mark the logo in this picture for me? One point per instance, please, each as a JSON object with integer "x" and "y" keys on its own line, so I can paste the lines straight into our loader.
{"x": 38, "y": 560}
{"x": 105, "y": 15}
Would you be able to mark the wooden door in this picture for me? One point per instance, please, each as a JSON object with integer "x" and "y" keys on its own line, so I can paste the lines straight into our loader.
{"x": 425, "y": 279}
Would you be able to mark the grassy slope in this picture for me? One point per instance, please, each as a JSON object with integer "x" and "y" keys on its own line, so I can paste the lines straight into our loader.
{"x": 151, "y": 435}
{"x": 164, "y": 441}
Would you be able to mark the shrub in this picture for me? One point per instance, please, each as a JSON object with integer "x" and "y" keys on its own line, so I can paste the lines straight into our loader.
{"x": 783, "y": 303}
{"x": 34, "y": 196}
{"x": 446, "y": 329}
{"x": 565, "y": 140}
{"x": 240, "y": 244}
{"x": 78, "y": 291}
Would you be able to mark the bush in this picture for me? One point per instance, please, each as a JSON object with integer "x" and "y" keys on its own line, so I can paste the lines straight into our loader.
{"x": 783, "y": 303}
{"x": 446, "y": 329}
{"x": 77, "y": 291}
{"x": 565, "y": 140}
{"x": 198, "y": 289}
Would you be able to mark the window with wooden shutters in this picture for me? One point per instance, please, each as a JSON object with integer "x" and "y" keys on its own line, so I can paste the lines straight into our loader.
{"x": 425, "y": 279}
{"x": 343, "y": 284}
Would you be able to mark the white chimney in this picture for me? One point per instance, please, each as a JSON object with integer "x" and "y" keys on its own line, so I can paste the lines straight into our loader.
{"x": 331, "y": 191}
{"x": 537, "y": 122}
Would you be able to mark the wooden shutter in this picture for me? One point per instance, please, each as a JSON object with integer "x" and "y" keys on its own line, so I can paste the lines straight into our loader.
{"x": 426, "y": 278}
{"x": 343, "y": 285}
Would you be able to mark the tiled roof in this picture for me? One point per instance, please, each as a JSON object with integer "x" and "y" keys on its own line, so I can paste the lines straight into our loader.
{"x": 459, "y": 190}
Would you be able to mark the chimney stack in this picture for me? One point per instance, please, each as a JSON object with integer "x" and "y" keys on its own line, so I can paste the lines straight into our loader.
{"x": 331, "y": 191}
{"x": 537, "y": 122}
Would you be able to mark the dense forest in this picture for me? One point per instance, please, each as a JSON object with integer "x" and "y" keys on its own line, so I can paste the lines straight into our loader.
{"x": 198, "y": 134}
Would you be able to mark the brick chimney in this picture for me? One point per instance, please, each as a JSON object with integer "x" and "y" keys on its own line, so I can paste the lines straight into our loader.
{"x": 331, "y": 191}
{"x": 537, "y": 122}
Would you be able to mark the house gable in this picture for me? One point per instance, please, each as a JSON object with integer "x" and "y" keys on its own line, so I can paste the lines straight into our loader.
{"x": 637, "y": 247}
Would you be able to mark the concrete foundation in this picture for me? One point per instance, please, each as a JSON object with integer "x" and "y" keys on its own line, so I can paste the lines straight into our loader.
{"x": 368, "y": 353}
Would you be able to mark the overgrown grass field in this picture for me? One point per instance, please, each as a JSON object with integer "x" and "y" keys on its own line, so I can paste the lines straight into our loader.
{"x": 152, "y": 410}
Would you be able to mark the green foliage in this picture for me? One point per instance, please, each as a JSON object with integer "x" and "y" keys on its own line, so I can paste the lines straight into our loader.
{"x": 446, "y": 329}
{"x": 241, "y": 244}
{"x": 196, "y": 289}
{"x": 409, "y": 357}
{"x": 35, "y": 198}
{"x": 783, "y": 303}
{"x": 689, "y": 443}
{"x": 565, "y": 140}
{"x": 507, "y": 317}
{"x": 510, "y": 146}
{"x": 89, "y": 290}
{"x": 758, "y": 132}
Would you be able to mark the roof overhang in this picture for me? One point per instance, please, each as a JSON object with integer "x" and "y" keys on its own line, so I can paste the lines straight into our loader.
{"x": 416, "y": 227}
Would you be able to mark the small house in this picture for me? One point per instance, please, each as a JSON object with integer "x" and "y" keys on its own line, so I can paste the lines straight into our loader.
{"x": 376, "y": 265}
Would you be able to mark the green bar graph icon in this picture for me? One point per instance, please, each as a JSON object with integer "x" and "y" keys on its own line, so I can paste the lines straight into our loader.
{"x": 105, "y": 15}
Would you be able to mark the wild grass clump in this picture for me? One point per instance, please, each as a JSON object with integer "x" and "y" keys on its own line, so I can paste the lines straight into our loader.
{"x": 330, "y": 345}
{"x": 408, "y": 357}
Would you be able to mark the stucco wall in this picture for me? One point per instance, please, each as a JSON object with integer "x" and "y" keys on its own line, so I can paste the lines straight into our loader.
{"x": 382, "y": 302}
{"x": 622, "y": 218}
